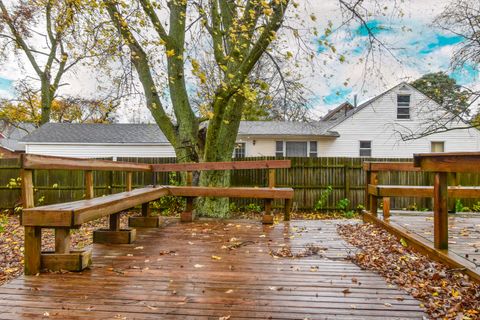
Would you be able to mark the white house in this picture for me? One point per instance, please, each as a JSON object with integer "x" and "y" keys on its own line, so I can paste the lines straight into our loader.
{"x": 372, "y": 129}
{"x": 98, "y": 140}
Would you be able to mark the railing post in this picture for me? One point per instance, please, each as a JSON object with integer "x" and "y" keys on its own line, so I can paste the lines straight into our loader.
{"x": 33, "y": 235}
{"x": 271, "y": 178}
{"x": 371, "y": 205}
{"x": 128, "y": 183}
{"x": 187, "y": 215}
{"x": 89, "y": 190}
{"x": 440, "y": 211}
{"x": 386, "y": 208}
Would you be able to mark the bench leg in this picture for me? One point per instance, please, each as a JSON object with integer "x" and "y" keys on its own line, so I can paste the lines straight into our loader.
{"x": 386, "y": 208}
{"x": 114, "y": 235}
{"x": 187, "y": 215}
{"x": 33, "y": 248}
{"x": 114, "y": 222}
{"x": 62, "y": 240}
{"x": 146, "y": 220}
{"x": 268, "y": 217}
{"x": 288, "y": 209}
{"x": 63, "y": 258}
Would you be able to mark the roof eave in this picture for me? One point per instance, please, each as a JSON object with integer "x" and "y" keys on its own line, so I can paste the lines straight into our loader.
{"x": 98, "y": 143}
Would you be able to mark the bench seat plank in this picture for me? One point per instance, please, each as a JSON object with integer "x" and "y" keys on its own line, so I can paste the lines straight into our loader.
{"x": 421, "y": 191}
{"x": 232, "y": 192}
{"x": 73, "y": 214}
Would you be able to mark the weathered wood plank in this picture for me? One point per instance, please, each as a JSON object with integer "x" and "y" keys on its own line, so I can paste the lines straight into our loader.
{"x": 184, "y": 281}
{"x": 421, "y": 191}
{"x": 233, "y": 192}
{"x": 75, "y": 213}
{"x": 233, "y": 165}
{"x": 390, "y": 166}
{"x": 448, "y": 162}
{"x": 31, "y": 161}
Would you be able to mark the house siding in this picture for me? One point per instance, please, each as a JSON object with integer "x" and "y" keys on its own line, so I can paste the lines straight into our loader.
{"x": 101, "y": 151}
{"x": 377, "y": 123}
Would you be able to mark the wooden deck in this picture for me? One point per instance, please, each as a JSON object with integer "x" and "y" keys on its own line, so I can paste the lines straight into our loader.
{"x": 464, "y": 232}
{"x": 186, "y": 271}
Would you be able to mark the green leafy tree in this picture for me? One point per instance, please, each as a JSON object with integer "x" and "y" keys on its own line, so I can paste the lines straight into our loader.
{"x": 53, "y": 37}
{"x": 445, "y": 91}
{"x": 165, "y": 39}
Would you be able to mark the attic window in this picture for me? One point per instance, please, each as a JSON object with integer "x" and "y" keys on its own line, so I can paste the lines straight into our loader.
{"x": 365, "y": 148}
{"x": 403, "y": 106}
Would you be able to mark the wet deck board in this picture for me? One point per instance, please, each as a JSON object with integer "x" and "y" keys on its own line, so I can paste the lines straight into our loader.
{"x": 184, "y": 271}
{"x": 463, "y": 237}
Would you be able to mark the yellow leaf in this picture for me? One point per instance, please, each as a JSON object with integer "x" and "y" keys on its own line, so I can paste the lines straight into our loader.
{"x": 216, "y": 258}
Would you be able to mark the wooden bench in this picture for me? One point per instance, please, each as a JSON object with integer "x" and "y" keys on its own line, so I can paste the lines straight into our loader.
{"x": 66, "y": 216}
{"x": 268, "y": 193}
{"x": 374, "y": 191}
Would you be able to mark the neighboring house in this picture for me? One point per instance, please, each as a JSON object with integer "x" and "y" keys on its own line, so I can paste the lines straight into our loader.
{"x": 98, "y": 140}
{"x": 10, "y": 136}
{"x": 370, "y": 130}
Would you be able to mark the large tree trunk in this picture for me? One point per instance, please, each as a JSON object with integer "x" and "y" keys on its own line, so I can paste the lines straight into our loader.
{"x": 46, "y": 101}
{"x": 219, "y": 146}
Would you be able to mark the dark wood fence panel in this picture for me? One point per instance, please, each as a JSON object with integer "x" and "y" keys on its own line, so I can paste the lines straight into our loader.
{"x": 308, "y": 176}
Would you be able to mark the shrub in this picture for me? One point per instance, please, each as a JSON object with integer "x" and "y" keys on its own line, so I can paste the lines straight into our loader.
{"x": 253, "y": 207}
{"x": 320, "y": 204}
{"x": 476, "y": 207}
{"x": 343, "y": 206}
{"x": 232, "y": 207}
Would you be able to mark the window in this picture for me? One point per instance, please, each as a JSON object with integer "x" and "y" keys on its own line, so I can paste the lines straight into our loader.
{"x": 313, "y": 149}
{"x": 438, "y": 146}
{"x": 365, "y": 148}
{"x": 239, "y": 150}
{"x": 403, "y": 106}
{"x": 296, "y": 148}
{"x": 279, "y": 149}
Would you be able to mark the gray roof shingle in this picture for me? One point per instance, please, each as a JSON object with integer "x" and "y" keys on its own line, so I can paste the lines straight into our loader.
{"x": 123, "y": 133}
{"x": 13, "y": 134}
{"x": 126, "y": 133}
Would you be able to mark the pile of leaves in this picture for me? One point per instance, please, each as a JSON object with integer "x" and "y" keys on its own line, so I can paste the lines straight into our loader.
{"x": 444, "y": 293}
{"x": 310, "y": 250}
{"x": 11, "y": 242}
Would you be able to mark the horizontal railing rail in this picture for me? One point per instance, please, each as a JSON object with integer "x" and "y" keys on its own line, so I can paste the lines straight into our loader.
{"x": 32, "y": 161}
{"x": 227, "y": 165}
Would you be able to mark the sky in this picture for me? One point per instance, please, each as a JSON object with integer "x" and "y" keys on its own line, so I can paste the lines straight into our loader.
{"x": 416, "y": 48}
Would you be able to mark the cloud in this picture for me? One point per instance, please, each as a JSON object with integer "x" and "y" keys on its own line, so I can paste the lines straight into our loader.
{"x": 417, "y": 46}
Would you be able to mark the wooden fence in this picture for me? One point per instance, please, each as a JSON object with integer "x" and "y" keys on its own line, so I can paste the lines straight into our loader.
{"x": 308, "y": 176}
